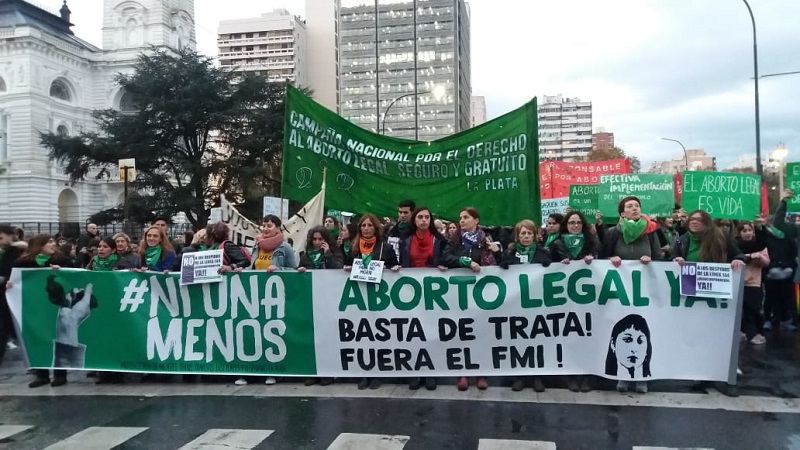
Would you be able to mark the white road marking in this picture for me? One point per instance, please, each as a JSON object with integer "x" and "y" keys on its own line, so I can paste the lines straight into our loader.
{"x": 670, "y": 448}
{"x": 508, "y": 444}
{"x": 353, "y": 441}
{"x": 222, "y": 439}
{"x": 97, "y": 438}
{"x": 10, "y": 430}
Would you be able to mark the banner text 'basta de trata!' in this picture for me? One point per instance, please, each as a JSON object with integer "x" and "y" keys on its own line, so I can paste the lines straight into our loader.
{"x": 492, "y": 167}
{"x": 628, "y": 323}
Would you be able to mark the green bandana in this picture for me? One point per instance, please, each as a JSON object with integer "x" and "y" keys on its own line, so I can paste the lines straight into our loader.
{"x": 42, "y": 259}
{"x": 346, "y": 247}
{"x": 402, "y": 226}
{"x": 105, "y": 264}
{"x": 526, "y": 251}
{"x": 202, "y": 247}
{"x": 693, "y": 252}
{"x": 574, "y": 243}
{"x": 152, "y": 255}
{"x": 213, "y": 247}
{"x": 366, "y": 259}
{"x": 776, "y": 232}
{"x": 632, "y": 229}
{"x": 550, "y": 239}
{"x": 334, "y": 232}
{"x": 316, "y": 257}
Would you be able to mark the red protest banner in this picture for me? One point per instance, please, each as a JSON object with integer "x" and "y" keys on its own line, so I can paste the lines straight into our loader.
{"x": 555, "y": 177}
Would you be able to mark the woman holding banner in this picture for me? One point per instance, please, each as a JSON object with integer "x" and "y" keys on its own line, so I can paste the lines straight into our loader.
{"x": 472, "y": 249}
{"x": 369, "y": 245}
{"x": 525, "y": 250}
{"x": 633, "y": 238}
{"x": 41, "y": 252}
{"x": 424, "y": 246}
{"x": 552, "y": 229}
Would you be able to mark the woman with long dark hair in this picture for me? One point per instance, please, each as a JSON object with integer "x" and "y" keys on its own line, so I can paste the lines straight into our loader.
{"x": 233, "y": 258}
{"x": 41, "y": 252}
{"x": 423, "y": 246}
{"x": 369, "y": 245}
{"x": 321, "y": 251}
{"x": 576, "y": 241}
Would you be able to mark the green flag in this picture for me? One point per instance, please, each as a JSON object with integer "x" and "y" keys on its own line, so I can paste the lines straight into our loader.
{"x": 493, "y": 167}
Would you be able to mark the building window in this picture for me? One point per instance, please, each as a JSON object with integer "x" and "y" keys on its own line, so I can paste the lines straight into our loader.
{"x": 62, "y": 131}
{"x": 59, "y": 90}
{"x": 127, "y": 103}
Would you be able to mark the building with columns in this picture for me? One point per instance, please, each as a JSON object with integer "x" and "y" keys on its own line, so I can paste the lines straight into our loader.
{"x": 51, "y": 80}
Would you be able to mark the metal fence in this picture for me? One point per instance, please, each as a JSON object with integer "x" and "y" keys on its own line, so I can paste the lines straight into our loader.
{"x": 71, "y": 230}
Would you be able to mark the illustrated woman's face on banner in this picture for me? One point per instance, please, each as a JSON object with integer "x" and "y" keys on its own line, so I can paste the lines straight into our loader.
{"x": 630, "y": 346}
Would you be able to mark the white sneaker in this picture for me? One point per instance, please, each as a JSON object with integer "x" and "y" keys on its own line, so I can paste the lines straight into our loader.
{"x": 739, "y": 372}
{"x": 622, "y": 386}
{"x": 10, "y": 345}
{"x": 758, "y": 340}
{"x": 240, "y": 382}
{"x": 270, "y": 381}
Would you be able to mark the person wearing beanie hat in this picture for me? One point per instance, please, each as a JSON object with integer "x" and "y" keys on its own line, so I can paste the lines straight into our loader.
{"x": 632, "y": 239}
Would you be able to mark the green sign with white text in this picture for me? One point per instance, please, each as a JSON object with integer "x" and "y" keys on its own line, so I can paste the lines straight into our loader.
{"x": 793, "y": 184}
{"x": 724, "y": 195}
{"x": 585, "y": 198}
{"x": 656, "y": 193}
{"x": 493, "y": 167}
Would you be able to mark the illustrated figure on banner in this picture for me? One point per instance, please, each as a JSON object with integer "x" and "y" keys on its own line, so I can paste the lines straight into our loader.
{"x": 74, "y": 308}
{"x": 630, "y": 348}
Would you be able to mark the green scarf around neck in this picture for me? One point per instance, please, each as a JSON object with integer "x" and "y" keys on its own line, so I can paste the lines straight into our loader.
{"x": 334, "y": 232}
{"x": 105, "y": 264}
{"x": 402, "y": 226}
{"x": 42, "y": 259}
{"x": 346, "y": 247}
{"x": 315, "y": 255}
{"x": 152, "y": 255}
{"x": 551, "y": 237}
{"x": 776, "y": 232}
{"x": 526, "y": 251}
{"x": 693, "y": 252}
{"x": 632, "y": 229}
{"x": 574, "y": 243}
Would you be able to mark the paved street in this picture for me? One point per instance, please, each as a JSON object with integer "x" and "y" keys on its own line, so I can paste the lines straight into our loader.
{"x": 291, "y": 416}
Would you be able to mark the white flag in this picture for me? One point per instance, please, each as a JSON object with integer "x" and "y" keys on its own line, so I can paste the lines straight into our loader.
{"x": 309, "y": 216}
{"x": 243, "y": 231}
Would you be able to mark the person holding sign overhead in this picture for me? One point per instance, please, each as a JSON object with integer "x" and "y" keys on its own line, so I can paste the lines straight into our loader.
{"x": 472, "y": 248}
{"x": 368, "y": 245}
{"x": 525, "y": 250}
{"x": 424, "y": 247}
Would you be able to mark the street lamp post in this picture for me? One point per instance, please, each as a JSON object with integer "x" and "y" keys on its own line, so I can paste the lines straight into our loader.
{"x": 685, "y": 155}
{"x": 759, "y": 169}
{"x": 438, "y": 92}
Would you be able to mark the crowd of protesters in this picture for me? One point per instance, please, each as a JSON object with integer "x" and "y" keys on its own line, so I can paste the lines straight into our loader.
{"x": 766, "y": 248}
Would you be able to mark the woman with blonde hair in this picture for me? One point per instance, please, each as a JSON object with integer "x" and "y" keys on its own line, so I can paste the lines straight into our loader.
{"x": 128, "y": 259}
{"x": 155, "y": 252}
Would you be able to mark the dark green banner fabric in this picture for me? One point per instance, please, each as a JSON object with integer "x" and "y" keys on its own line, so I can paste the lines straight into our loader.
{"x": 493, "y": 167}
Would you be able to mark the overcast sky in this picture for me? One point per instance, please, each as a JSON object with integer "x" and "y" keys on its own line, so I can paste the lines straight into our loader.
{"x": 675, "y": 68}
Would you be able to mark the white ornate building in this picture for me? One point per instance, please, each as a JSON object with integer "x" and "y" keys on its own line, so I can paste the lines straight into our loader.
{"x": 51, "y": 80}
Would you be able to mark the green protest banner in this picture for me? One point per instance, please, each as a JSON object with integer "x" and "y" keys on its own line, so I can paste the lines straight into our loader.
{"x": 724, "y": 195}
{"x": 655, "y": 191}
{"x": 493, "y": 167}
{"x": 129, "y": 321}
{"x": 793, "y": 183}
{"x": 585, "y": 198}
{"x": 524, "y": 320}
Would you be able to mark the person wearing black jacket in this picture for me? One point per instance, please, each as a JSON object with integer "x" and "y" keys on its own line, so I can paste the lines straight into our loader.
{"x": 41, "y": 252}
{"x": 233, "y": 257}
{"x": 369, "y": 245}
{"x": 424, "y": 247}
{"x": 10, "y": 251}
{"x": 321, "y": 251}
{"x": 401, "y": 229}
{"x": 577, "y": 241}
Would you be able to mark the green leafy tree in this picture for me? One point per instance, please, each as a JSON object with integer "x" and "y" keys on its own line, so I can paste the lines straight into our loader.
{"x": 196, "y": 131}
{"x": 603, "y": 154}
